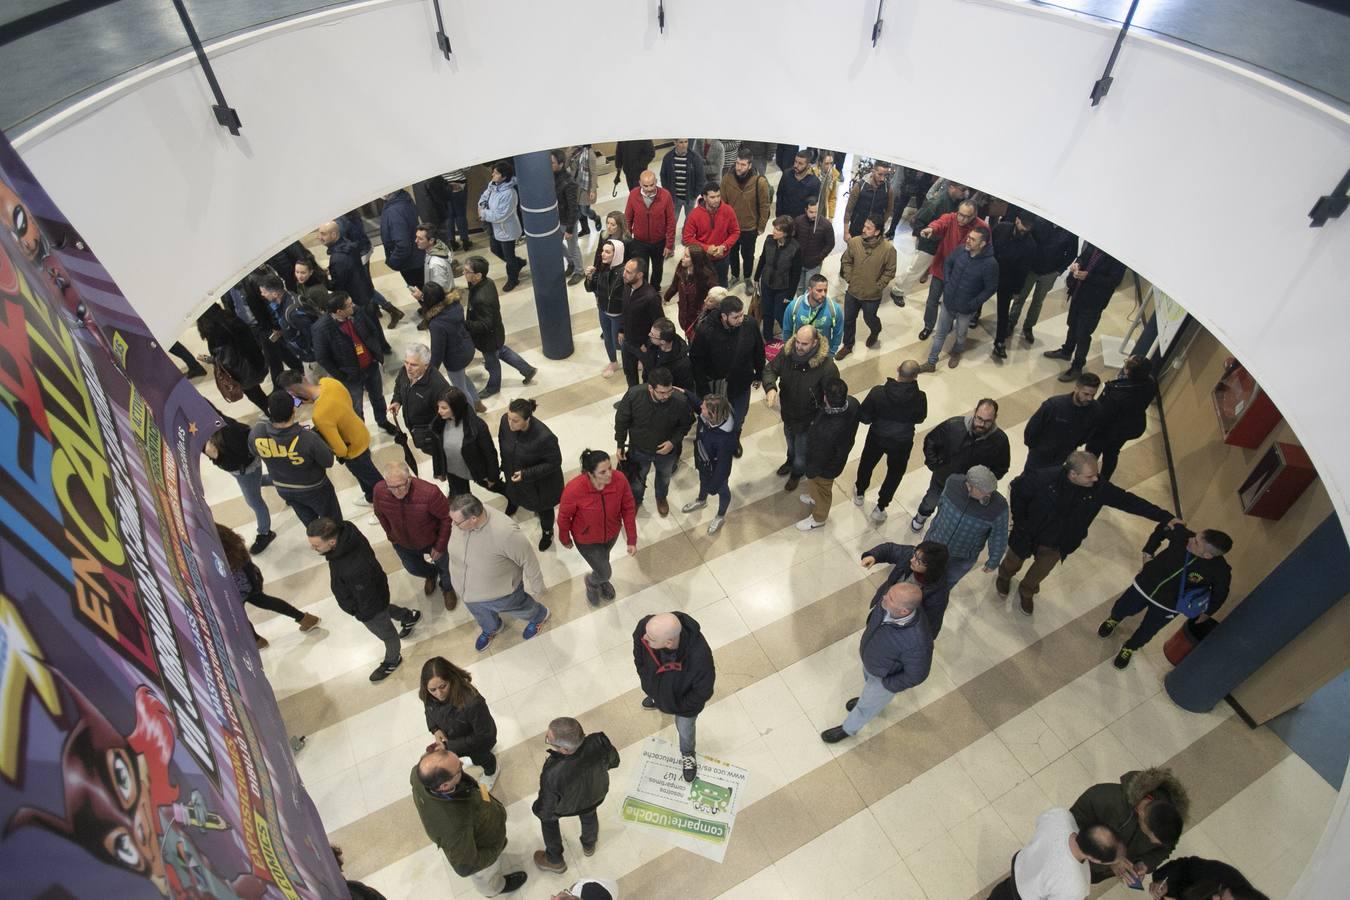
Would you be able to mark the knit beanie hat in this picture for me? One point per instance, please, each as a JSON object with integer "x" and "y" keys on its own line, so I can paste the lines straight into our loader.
{"x": 594, "y": 890}
{"x": 981, "y": 479}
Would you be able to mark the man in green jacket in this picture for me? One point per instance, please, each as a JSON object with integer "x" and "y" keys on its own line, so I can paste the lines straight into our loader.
{"x": 1146, "y": 809}
{"x": 464, "y": 820}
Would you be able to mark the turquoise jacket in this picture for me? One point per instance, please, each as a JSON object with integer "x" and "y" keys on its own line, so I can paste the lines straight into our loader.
{"x": 828, "y": 319}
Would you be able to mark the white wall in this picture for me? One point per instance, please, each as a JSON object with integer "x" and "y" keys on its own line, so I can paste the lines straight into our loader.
{"x": 1196, "y": 173}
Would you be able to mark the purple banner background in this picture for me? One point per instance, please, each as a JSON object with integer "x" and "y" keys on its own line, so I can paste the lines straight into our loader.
{"x": 142, "y": 753}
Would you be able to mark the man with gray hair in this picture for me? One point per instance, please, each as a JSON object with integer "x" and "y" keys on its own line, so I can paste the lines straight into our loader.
{"x": 494, "y": 569}
{"x": 897, "y": 654}
{"x": 971, "y": 515}
{"x": 415, "y": 515}
{"x": 416, "y": 389}
{"x": 574, "y": 782}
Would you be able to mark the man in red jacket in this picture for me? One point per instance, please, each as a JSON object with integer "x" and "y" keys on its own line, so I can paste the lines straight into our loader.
{"x": 415, "y": 515}
{"x": 650, "y": 214}
{"x": 713, "y": 226}
{"x": 951, "y": 230}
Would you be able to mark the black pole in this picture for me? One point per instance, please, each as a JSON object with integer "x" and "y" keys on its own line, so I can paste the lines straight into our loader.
{"x": 1332, "y": 205}
{"x": 442, "y": 40}
{"x": 544, "y": 246}
{"x": 1103, "y": 84}
{"x": 876, "y": 26}
{"x": 225, "y": 114}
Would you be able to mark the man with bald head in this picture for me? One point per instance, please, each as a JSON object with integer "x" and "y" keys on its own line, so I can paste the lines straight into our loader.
{"x": 675, "y": 667}
{"x": 896, "y": 651}
{"x": 464, "y": 820}
{"x": 892, "y": 410}
{"x": 347, "y": 274}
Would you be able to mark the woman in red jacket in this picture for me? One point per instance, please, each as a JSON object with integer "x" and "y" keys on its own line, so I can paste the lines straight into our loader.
{"x": 593, "y": 506}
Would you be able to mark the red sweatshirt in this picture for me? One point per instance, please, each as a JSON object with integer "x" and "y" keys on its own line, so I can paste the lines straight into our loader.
{"x": 951, "y": 234}
{"x": 590, "y": 516}
{"x": 654, "y": 223}
{"x": 719, "y": 229}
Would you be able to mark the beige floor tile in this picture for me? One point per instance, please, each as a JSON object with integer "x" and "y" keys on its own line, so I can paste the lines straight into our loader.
{"x": 764, "y": 883}
{"x": 1019, "y": 808}
{"x": 910, "y": 818}
{"x": 1158, "y": 729}
{"x": 951, "y": 791}
{"x": 1104, "y": 757}
{"x": 991, "y": 766}
{"x": 1063, "y": 780}
{"x": 896, "y": 883}
{"x": 1031, "y": 741}
{"x": 987, "y": 843}
{"x": 943, "y": 871}
{"x": 858, "y": 851}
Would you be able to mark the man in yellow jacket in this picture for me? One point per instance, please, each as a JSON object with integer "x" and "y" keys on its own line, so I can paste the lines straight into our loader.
{"x": 338, "y": 424}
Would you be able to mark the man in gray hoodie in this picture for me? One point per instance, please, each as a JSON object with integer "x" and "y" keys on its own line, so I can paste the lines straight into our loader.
{"x": 297, "y": 459}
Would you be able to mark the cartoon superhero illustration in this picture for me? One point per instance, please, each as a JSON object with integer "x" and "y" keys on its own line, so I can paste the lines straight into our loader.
{"x": 709, "y": 798}
{"x": 121, "y": 802}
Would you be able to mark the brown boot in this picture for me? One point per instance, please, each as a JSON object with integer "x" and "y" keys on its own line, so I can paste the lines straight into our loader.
{"x": 262, "y": 641}
{"x": 395, "y": 316}
{"x": 429, "y": 585}
{"x": 542, "y": 861}
{"x": 308, "y": 621}
{"x": 478, "y": 406}
{"x": 450, "y": 598}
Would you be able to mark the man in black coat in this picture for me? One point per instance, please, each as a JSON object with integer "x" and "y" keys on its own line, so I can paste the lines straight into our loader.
{"x": 955, "y": 446}
{"x": 1015, "y": 250}
{"x": 361, "y": 588}
{"x": 348, "y": 348}
{"x": 641, "y": 307}
{"x": 1052, "y": 510}
{"x": 675, "y": 667}
{"x": 483, "y": 318}
{"x": 892, "y": 410}
{"x": 728, "y": 356}
{"x": 1124, "y": 411}
{"x": 649, "y": 428}
{"x": 797, "y": 187}
{"x": 574, "y": 782}
{"x": 1062, "y": 424}
{"x": 829, "y": 439}
{"x": 1093, "y": 279}
{"x": 565, "y": 193}
{"x": 1055, "y": 249}
{"x": 347, "y": 272}
{"x": 417, "y": 389}
{"x": 667, "y": 350}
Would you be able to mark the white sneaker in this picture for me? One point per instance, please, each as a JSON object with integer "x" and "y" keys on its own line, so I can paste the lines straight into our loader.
{"x": 878, "y": 515}
{"x": 809, "y": 524}
{"x": 806, "y": 498}
{"x": 716, "y": 524}
{"x": 857, "y": 498}
{"x": 490, "y": 781}
{"x": 362, "y": 501}
{"x": 916, "y": 524}
{"x": 372, "y": 519}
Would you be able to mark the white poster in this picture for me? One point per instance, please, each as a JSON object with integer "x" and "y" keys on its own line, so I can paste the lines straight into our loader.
{"x": 1170, "y": 316}
{"x": 698, "y": 815}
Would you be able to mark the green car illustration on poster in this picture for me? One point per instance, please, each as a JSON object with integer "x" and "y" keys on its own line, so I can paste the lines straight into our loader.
{"x": 709, "y": 798}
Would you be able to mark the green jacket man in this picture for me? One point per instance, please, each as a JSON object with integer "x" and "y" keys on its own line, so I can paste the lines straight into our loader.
{"x": 463, "y": 819}
{"x": 1145, "y": 808}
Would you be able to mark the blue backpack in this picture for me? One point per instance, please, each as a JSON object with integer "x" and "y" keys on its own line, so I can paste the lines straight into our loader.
{"x": 1192, "y": 601}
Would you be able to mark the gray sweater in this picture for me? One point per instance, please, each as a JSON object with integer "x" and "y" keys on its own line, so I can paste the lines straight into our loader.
{"x": 492, "y": 561}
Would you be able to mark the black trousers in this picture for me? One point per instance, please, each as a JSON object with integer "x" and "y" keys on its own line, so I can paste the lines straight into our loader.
{"x": 1004, "y": 301}
{"x": 742, "y": 256}
{"x": 652, "y": 257}
{"x": 1082, "y": 323}
{"x": 552, "y": 832}
{"x": 1007, "y": 888}
{"x": 1109, "y": 451}
{"x": 1155, "y": 617}
{"x": 275, "y": 604}
{"x": 897, "y": 459}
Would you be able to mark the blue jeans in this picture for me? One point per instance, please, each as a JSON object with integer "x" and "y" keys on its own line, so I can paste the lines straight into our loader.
{"x": 665, "y": 468}
{"x": 458, "y": 215}
{"x": 740, "y": 408}
{"x": 461, "y": 380}
{"x": 493, "y": 363}
{"x": 363, "y": 470}
{"x": 957, "y": 569}
{"x": 518, "y": 604}
{"x": 773, "y": 304}
{"x": 313, "y": 503}
{"x": 609, "y": 330}
{"x": 796, "y": 448}
{"x": 947, "y": 322}
{"x": 683, "y": 208}
{"x": 415, "y": 563}
{"x": 685, "y": 727}
{"x": 873, "y": 699}
{"x": 370, "y": 381}
{"x": 806, "y": 276}
{"x": 251, "y": 481}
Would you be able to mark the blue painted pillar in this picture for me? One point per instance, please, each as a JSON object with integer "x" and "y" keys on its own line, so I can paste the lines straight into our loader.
{"x": 1308, "y": 583}
{"x": 543, "y": 244}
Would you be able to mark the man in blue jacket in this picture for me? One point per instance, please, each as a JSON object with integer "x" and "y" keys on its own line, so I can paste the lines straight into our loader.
{"x": 897, "y": 653}
{"x": 398, "y": 234}
{"x": 969, "y": 277}
{"x": 345, "y": 344}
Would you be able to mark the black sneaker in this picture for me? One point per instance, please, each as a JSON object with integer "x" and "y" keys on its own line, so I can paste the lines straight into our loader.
{"x": 1029, "y": 337}
{"x": 389, "y": 428}
{"x": 530, "y": 377}
{"x": 514, "y": 881}
{"x": 1104, "y": 630}
{"x": 410, "y": 623}
{"x": 648, "y": 703}
{"x": 1122, "y": 658}
{"x": 784, "y": 469}
{"x": 1000, "y": 352}
{"x": 689, "y": 766}
{"x": 1057, "y": 353}
{"x": 925, "y": 334}
{"x": 546, "y": 541}
{"x": 385, "y": 670}
{"x": 511, "y": 508}
{"x": 607, "y": 592}
{"x": 852, "y": 702}
{"x": 262, "y": 542}
{"x": 792, "y": 483}
{"x": 833, "y": 735}
{"x": 511, "y": 285}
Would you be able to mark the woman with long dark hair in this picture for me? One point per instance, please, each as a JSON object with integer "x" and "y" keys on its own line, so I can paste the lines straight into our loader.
{"x": 605, "y": 281}
{"x": 594, "y": 505}
{"x": 231, "y": 346}
{"x": 532, "y": 474}
{"x": 463, "y": 451}
{"x": 457, "y": 715}
{"x": 694, "y": 277}
{"x": 250, "y": 583}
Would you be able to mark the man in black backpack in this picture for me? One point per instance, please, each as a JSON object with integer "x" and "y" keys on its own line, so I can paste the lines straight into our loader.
{"x": 574, "y": 782}
{"x": 1189, "y": 577}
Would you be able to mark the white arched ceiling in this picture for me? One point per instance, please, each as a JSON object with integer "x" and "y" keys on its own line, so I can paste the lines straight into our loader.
{"x": 1193, "y": 171}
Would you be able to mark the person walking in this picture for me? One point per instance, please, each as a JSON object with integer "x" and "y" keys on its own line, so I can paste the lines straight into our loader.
{"x": 649, "y": 428}
{"x": 631, "y": 159}
{"x": 746, "y": 191}
{"x": 714, "y": 450}
{"x": 465, "y": 821}
{"x": 337, "y": 423}
{"x": 829, "y": 441}
{"x": 229, "y": 449}
{"x": 349, "y": 273}
{"x": 348, "y": 347}
{"x": 777, "y": 274}
{"x": 867, "y": 267}
{"x": 944, "y": 201}
{"x": 494, "y": 570}
{"x": 694, "y": 277}
{"x": 532, "y": 475}
{"x": 1052, "y": 510}
{"x": 415, "y": 516}
{"x": 677, "y": 673}
{"x": 1122, "y": 412}
{"x": 683, "y": 174}
{"x": 869, "y": 198}
{"x": 497, "y": 206}
{"x": 594, "y": 506}
{"x": 665, "y": 349}
{"x": 798, "y": 187}
{"x": 565, "y": 192}
{"x": 891, "y": 410}
{"x": 457, "y": 715}
{"x": 641, "y": 307}
{"x": 488, "y": 331}
{"x": 438, "y": 265}
{"x": 814, "y": 307}
{"x": 897, "y": 654}
{"x": 296, "y": 459}
{"x": 1188, "y": 578}
{"x": 793, "y": 382}
{"x": 1054, "y": 866}
{"x": 249, "y": 581}
{"x": 294, "y": 320}
{"x": 951, "y": 231}
{"x": 573, "y": 782}
{"x": 451, "y": 345}
{"x": 1056, "y": 248}
{"x": 361, "y": 588}
{"x": 1062, "y": 424}
{"x": 713, "y": 226}
{"x": 581, "y": 166}
{"x": 727, "y": 357}
{"x": 650, "y": 215}
{"x": 398, "y": 232}
{"x": 1016, "y": 253}
{"x": 417, "y": 389}
{"x": 955, "y": 446}
{"x": 462, "y": 448}
{"x": 971, "y": 515}
{"x": 924, "y": 565}
{"x": 231, "y": 348}
{"x": 816, "y": 238}
{"x": 1093, "y": 279}
{"x": 605, "y": 281}
{"x": 970, "y": 277}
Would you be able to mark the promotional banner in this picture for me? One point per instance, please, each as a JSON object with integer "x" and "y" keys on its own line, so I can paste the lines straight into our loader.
{"x": 697, "y": 815}
{"x": 141, "y": 750}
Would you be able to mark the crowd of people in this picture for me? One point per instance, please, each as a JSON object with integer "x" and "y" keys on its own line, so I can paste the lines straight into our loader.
{"x": 316, "y": 331}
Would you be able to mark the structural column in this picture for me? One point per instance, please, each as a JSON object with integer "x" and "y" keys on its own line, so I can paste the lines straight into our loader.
{"x": 543, "y": 244}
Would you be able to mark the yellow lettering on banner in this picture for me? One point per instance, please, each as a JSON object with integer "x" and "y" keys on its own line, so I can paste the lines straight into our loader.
{"x": 22, "y": 669}
{"x": 76, "y": 459}
{"x": 279, "y": 877}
